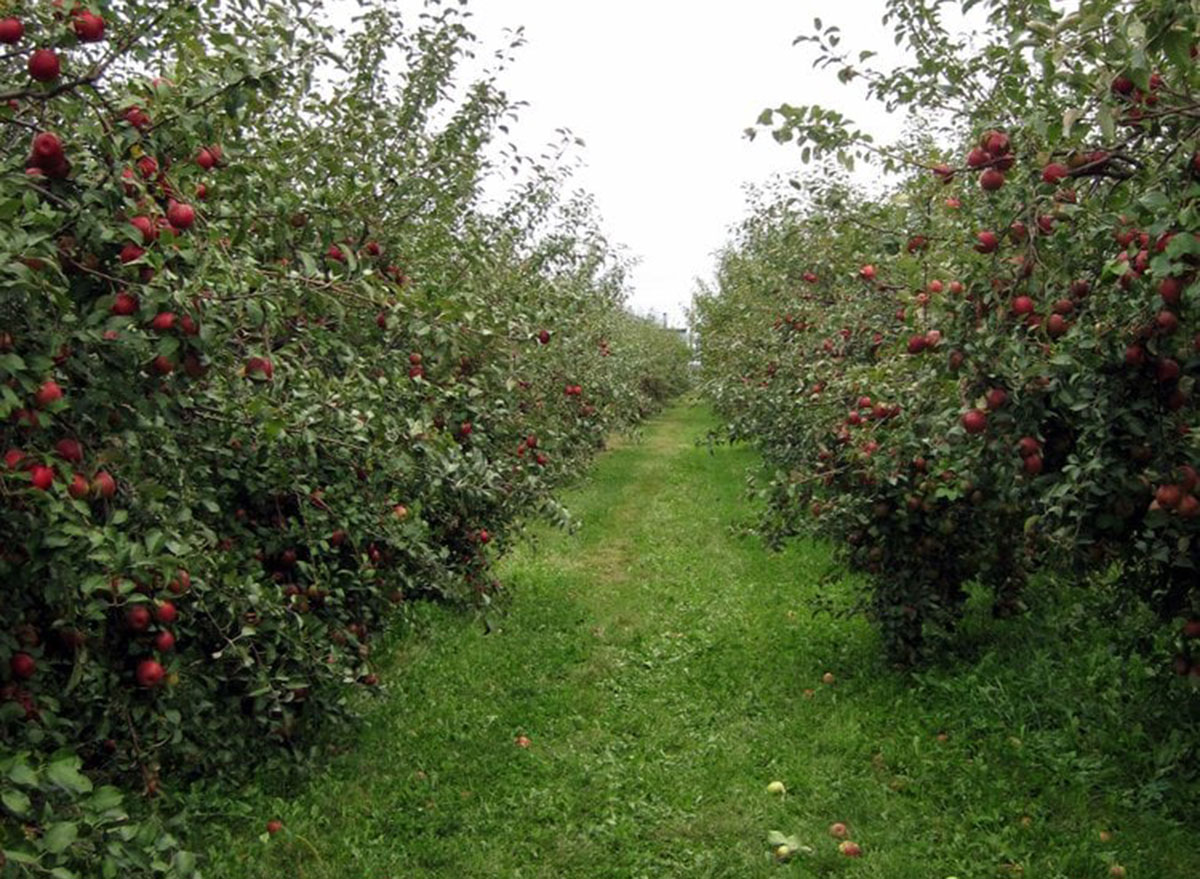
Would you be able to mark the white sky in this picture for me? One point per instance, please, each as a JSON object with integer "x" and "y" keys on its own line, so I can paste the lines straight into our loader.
{"x": 661, "y": 92}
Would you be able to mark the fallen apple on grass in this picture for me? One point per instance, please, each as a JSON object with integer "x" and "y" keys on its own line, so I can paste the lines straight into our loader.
{"x": 850, "y": 849}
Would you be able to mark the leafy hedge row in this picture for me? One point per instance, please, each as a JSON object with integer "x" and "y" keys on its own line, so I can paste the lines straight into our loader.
{"x": 268, "y": 371}
{"x": 988, "y": 366}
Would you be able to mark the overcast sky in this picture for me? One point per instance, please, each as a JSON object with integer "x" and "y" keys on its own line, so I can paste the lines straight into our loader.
{"x": 661, "y": 92}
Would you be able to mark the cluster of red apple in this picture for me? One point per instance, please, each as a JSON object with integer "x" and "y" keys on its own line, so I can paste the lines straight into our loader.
{"x": 47, "y": 400}
{"x": 530, "y": 444}
{"x": 47, "y": 157}
{"x": 994, "y": 155}
{"x": 44, "y": 64}
{"x": 150, "y": 672}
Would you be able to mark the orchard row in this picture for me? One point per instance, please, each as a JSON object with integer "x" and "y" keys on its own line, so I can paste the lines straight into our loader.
{"x": 268, "y": 372}
{"x": 987, "y": 369}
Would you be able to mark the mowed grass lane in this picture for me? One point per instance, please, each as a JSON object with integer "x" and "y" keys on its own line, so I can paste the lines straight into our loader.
{"x": 664, "y": 668}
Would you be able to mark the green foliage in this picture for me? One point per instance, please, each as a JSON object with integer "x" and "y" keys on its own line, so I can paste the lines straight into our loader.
{"x": 269, "y": 369}
{"x": 990, "y": 369}
{"x": 73, "y": 829}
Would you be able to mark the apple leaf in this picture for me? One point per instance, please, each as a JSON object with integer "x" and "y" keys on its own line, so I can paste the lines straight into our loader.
{"x": 64, "y": 773}
{"x": 60, "y": 836}
{"x": 16, "y": 801}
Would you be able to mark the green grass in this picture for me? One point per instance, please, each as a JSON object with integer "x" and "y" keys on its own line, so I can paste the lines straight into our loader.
{"x": 660, "y": 662}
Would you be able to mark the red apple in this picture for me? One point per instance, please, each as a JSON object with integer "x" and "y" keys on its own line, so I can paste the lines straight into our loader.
{"x": 991, "y": 179}
{"x": 42, "y": 476}
{"x": 1055, "y": 173}
{"x": 1056, "y": 325}
{"x": 47, "y": 151}
{"x": 23, "y": 666}
{"x": 996, "y": 397}
{"x": 1167, "y": 370}
{"x": 1171, "y": 290}
{"x": 79, "y": 487}
{"x": 995, "y": 142}
{"x": 978, "y": 157}
{"x": 44, "y": 65}
{"x": 974, "y": 421}
{"x": 150, "y": 673}
{"x": 181, "y": 583}
{"x": 89, "y": 27}
{"x": 137, "y": 117}
{"x": 164, "y": 642}
{"x": 166, "y": 613}
{"x": 850, "y": 849}
{"x": 1166, "y": 321}
{"x": 260, "y": 367}
{"x": 838, "y": 830}
{"x": 274, "y": 826}
{"x": 867, "y": 273}
{"x": 986, "y": 242}
{"x": 205, "y": 159}
{"x": 11, "y": 30}
{"x": 164, "y": 321}
{"x": 1032, "y": 464}
{"x": 103, "y": 485}
{"x": 48, "y": 394}
{"x": 1027, "y": 446}
{"x": 1168, "y": 496}
{"x": 1022, "y": 305}
{"x": 147, "y": 228}
{"x": 137, "y": 618}
{"x": 124, "y": 304}
{"x": 181, "y": 215}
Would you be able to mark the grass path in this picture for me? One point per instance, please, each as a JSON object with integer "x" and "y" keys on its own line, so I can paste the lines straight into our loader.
{"x": 658, "y": 662}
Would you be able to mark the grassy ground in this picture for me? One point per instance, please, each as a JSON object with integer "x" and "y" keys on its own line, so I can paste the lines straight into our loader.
{"x": 665, "y": 668}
